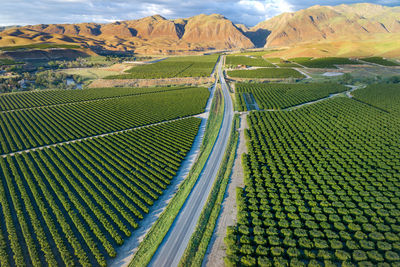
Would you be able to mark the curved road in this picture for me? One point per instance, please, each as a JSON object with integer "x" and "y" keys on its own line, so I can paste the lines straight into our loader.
{"x": 175, "y": 242}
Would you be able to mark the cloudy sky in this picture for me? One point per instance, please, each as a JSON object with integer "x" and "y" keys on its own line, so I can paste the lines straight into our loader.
{"x": 249, "y": 12}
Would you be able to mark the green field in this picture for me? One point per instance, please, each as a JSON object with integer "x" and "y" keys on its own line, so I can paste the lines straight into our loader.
{"x": 6, "y": 62}
{"x": 380, "y": 61}
{"x": 38, "y": 46}
{"x": 280, "y": 95}
{"x": 383, "y": 96}
{"x": 327, "y": 62}
{"x": 75, "y": 204}
{"x": 24, "y": 129}
{"x": 321, "y": 185}
{"x": 53, "y": 97}
{"x": 189, "y": 66}
{"x": 248, "y": 61}
{"x": 267, "y": 73}
{"x": 282, "y": 63}
{"x": 90, "y": 73}
{"x": 255, "y": 53}
{"x": 274, "y": 59}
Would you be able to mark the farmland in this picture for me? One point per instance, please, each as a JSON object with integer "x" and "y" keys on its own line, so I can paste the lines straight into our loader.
{"x": 322, "y": 185}
{"x": 280, "y": 96}
{"x": 38, "y": 46}
{"x": 6, "y": 61}
{"x": 282, "y": 63}
{"x": 78, "y": 202}
{"x": 380, "y": 61}
{"x": 255, "y": 53}
{"x": 266, "y": 73}
{"x": 248, "y": 61}
{"x": 193, "y": 66}
{"x": 53, "y": 97}
{"x": 91, "y": 73}
{"x": 30, "y": 128}
{"x": 327, "y": 62}
{"x": 383, "y": 96}
{"x": 90, "y": 165}
{"x": 288, "y": 64}
{"x": 82, "y": 170}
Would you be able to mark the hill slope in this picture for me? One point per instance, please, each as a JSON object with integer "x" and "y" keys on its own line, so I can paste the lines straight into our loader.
{"x": 331, "y": 23}
{"x": 336, "y": 27}
{"x": 153, "y": 34}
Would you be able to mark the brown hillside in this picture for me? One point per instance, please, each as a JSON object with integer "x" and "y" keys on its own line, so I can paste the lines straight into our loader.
{"x": 153, "y": 34}
{"x": 326, "y": 23}
{"x": 315, "y": 26}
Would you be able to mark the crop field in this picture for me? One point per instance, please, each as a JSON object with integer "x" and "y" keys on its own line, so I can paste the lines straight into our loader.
{"x": 281, "y": 95}
{"x": 6, "y": 61}
{"x": 266, "y": 73}
{"x": 327, "y": 62}
{"x": 248, "y": 61}
{"x": 380, "y": 61}
{"x": 91, "y": 73}
{"x": 283, "y": 63}
{"x": 189, "y": 66}
{"x": 75, "y": 204}
{"x": 254, "y": 53}
{"x": 383, "y": 96}
{"x": 248, "y": 100}
{"x": 321, "y": 187}
{"x": 53, "y": 97}
{"x": 24, "y": 129}
{"x": 38, "y": 46}
{"x": 274, "y": 59}
{"x": 287, "y": 64}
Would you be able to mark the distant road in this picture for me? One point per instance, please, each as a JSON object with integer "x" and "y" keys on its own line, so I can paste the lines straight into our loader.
{"x": 175, "y": 242}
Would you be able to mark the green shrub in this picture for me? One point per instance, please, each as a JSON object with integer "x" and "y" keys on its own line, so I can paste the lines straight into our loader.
{"x": 342, "y": 255}
{"x": 266, "y": 73}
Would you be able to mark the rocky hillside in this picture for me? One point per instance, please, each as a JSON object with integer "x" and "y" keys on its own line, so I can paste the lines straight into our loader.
{"x": 155, "y": 34}
{"x": 330, "y": 23}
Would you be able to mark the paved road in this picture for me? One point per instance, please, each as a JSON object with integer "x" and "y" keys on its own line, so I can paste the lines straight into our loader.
{"x": 174, "y": 244}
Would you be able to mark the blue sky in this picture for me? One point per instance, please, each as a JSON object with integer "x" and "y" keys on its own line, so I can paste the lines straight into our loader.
{"x": 248, "y": 12}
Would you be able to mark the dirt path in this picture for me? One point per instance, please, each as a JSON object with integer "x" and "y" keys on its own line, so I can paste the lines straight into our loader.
{"x": 303, "y": 72}
{"x": 276, "y": 65}
{"x": 353, "y": 88}
{"x": 216, "y": 250}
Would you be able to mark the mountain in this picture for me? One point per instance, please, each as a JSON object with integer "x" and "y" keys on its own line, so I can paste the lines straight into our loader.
{"x": 330, "y": 23}
{"x": 153, "y": 34}
{"x": 3, "y": 28}
{"x": 359, "y": 28}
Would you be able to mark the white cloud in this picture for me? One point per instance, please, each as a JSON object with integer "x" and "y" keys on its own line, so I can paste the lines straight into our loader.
{"x": 266, "y": 8}
{"x": 249, "y": 12}
{"x": 149, "y": 9}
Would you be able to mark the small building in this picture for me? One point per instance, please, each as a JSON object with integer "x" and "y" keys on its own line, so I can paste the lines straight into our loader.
{"x": 23, "y": 83}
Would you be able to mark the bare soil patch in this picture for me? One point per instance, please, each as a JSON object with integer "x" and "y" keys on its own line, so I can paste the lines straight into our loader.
{"x": 101, "y": 83}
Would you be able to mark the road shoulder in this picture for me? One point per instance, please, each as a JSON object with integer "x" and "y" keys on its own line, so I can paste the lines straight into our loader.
{"x": 216, "y": 250}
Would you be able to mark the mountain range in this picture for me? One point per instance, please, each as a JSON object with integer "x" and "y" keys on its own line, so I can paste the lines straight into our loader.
{"x": 335, "y": 26}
